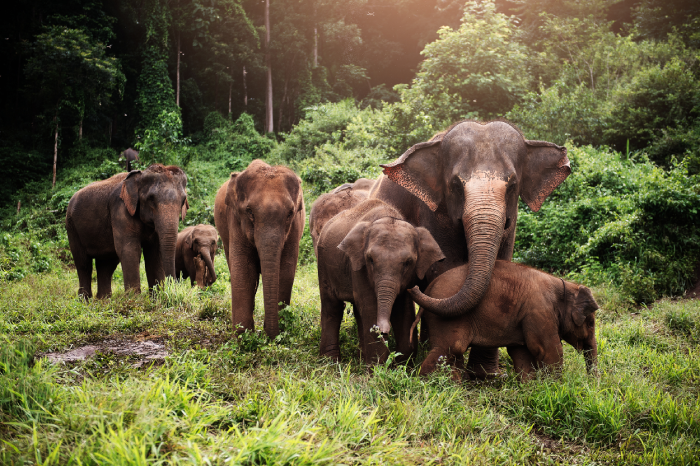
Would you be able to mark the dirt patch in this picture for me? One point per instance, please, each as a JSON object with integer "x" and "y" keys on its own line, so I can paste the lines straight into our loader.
{"x": 146, "y": 349}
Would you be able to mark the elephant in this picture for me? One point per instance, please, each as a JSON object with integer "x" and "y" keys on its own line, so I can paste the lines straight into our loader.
{"x": 259, "y": 214}
{"x": 330, "y": 204}
{"x": 112, "y": 220}
{"x": 130, "y": 155}
{"x": 192, "y": 242}
{"x": 526, "y": 310}
{"x": 463, "y": 186}
{"x": 368, "y": 255}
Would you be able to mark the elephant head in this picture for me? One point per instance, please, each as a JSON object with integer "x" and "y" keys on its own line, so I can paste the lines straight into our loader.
{"x": 577, "y": 322}
{"x": 473, "y": 174}
{"x": 265, "y": 201}
{"x": 158, "y": 196}
{"x": 202, "y": 242}
{"x": 394, "y": 252}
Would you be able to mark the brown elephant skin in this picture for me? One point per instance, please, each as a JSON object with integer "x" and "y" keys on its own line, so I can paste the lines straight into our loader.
{"x": 369, "y": 256}
{"x": 113, "y": 220}
{"x": 525, "y": 310}
{"x": 463, "y": 186}
{"x": 259, "y": 214}
{"x": 331, "y": 204}
{"x": 196, "y": 241}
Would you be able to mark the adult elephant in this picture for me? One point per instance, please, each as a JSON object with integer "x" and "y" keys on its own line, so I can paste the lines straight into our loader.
{"x": 259, "y": 214}
{"x": 463, "y": 187}
{"x": 113, "y": 220}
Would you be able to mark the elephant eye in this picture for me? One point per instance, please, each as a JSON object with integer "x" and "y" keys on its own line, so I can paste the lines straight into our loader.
{"x": 291, "y": 212}
{"x": 249, "y": 211}
{"x": 370, "y": 260}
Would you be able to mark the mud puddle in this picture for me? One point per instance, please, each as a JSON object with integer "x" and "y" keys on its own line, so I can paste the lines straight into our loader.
{"x": 145, "y": 347}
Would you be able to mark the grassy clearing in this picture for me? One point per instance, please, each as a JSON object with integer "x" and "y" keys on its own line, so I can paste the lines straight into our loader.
{"x": 218, "y": 401}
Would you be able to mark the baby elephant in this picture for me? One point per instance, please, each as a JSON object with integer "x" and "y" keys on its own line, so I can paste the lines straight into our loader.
{"x": 368, "y": 255}
{"x": 194, "y": 254}
{"x": 527, "y": 311}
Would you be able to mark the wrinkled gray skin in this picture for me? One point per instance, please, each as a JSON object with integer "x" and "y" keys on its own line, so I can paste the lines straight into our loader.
{"x": 525, "y": 310}
{"x": 368, "y": 256}
{"x": 199, "y": 240}
{"x": 463, "y": 186}
{"x": 330, "y": 204}
{"x": 113, "y": 220}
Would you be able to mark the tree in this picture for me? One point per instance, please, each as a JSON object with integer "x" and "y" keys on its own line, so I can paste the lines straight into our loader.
{"x": 69, "y": 70}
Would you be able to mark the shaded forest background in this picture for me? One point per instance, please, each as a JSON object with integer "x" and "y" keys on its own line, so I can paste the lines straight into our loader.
{"x": 354, "y": 84}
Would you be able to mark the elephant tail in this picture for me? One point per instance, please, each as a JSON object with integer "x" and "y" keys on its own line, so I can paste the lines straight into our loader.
{"x": 415, "y": 323}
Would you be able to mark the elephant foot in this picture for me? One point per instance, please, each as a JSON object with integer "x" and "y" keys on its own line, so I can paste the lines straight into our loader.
{"x": 332, "y": 352}
{"x": 483, "y": 363}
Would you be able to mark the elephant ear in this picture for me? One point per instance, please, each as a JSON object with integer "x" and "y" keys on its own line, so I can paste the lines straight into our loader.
{"x": 230, "y": 198}
{"x": 188, "y": 240}
{"x": 582, "y": 305}
{"x": 546, "y": 166}
{"x": 130, "y": 191}
{"x": 353, "y": 245}
{"x": 185, "y": 206}
{"x": 428, "y": 253}
{"x": 419, "y": 171}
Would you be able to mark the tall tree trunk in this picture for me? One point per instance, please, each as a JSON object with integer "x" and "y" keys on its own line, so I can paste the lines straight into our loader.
{"x": 55, "y": 151}
{"x": 315, "y": 46}
{"x": 177, "y": 72}
{"x": 245, "y": 89}
{"x": 230, "y": 87}
{"x": 269, "y": 115}
{"x": 284, "y": 97}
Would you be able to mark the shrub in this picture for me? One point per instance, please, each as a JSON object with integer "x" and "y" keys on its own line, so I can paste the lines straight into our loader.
{"x": 620, "y": 220}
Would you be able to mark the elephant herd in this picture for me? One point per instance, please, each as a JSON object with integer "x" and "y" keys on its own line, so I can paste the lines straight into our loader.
{"x": 440, "y": 219}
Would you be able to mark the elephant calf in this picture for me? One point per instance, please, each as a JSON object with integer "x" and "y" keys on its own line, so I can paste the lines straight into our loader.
{"x": 526, "y": 310}
{"x": 331, "y": 204}
{"x": 368, "y": 255}
{"x": 196, "y": 242}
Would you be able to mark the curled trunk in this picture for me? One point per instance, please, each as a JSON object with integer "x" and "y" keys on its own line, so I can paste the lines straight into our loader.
{"x": 484, "y": 221}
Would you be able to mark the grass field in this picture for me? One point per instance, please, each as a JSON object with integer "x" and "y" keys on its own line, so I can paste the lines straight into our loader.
{"x": 214, "y": 400}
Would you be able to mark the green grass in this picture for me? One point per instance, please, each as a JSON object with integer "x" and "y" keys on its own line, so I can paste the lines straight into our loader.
{"x": 215, "y": 400}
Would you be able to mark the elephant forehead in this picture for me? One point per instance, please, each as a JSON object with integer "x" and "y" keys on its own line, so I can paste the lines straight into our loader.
{"x": 399, "y": 236}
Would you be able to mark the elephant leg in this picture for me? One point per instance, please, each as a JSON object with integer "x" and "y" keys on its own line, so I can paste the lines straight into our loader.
{"x": 523, "y": 362}
{"x": 483, "y": 362}
{"x": 245, "y": 275}
{"x": 84, "y": 269}
{"x": 548, "y": 352}
{"x": 105, "y": 269}
{"x": 431, "y": 361}
{"x": 360, "y": 335}
{"x": 288, "y": 269}
{"x": 83, "y": 263}
{"x": 331, "y": 318}
{"x": 130, "y": 257}
{"x": 155, "y": 273}
{"x": 424, "y": 331}
{"x": 403, "y": 314}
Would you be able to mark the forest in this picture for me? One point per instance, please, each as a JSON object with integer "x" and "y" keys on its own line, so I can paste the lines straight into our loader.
{"x": 333, "y": 90}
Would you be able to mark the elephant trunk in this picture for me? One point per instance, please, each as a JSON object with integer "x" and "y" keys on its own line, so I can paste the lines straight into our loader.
{"x": 166, "y": 229}
{"x": 484, "y": 220}
{"x": 387, "y": 291}
{"x": 206, "y": 257}
{"x": 590, "y": 354}
{"x": 270, "y": 252}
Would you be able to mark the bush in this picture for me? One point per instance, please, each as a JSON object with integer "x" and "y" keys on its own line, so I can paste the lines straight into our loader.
{"x": 618, "y": 220}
